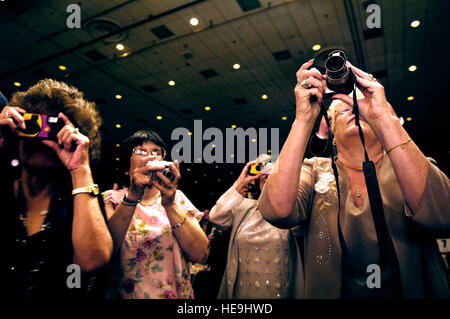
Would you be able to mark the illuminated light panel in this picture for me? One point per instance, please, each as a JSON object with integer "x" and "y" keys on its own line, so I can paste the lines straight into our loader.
{"x": 207, "y": 108}
{"x": 118, "y": 96}
{"x": 236, "y": 66}
{"x": 171, "y": 83}
{"x": 412, "y": 68}
{"x": 264, "y": 97}
{"x": 120, "y": 46}
{"x": 316, "y": 47}
{"x": 410, "y": 98}
{"x": 62, "y": 67}
{"x": 17, "y": 84}
{"x": 159, "y": 117}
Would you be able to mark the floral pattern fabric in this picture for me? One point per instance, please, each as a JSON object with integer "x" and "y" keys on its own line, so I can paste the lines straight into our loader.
{"x": 152, "y": 263}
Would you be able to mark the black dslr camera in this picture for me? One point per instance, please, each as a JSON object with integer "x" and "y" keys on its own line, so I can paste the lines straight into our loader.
{"x": 41, "y": 126}
{"x": 165, "y": 171}
{"x": 339, "y": 76}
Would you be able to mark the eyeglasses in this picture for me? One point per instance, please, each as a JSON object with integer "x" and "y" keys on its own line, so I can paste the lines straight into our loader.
{"x": 141, "y": 152}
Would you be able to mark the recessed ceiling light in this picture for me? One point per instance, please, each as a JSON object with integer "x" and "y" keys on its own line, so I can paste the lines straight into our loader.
{"x": 188, "y": 169}
{"x": 233, "y": 126}
{"x": 117, "y": 159}
{"x": 217, "y": 166}
{"x": 212, "y": 146}
{"x": 207, "y": 108}
{"x": 118, "y": 126}
{"x": 189, "y": 133}
{"x": 62, "y": 67}
{"x": 253, "y": 140}
{"x": 264, "y": 97}
{"x": 284, "y": 118}
{"x": 410, "y": 98}
{"x": 415, "y": 24}
{"x": 120, "y": 46}
{"x": 118, "y": 96}
{"x": 316, "y": 47}
{"x": 159, "y": 117}
{"x": 236, "y": 66}
{"x": 117, "y": 145}
{"x": 195, "y": 182}
{"x": 412, "y": 68}
{"x": 193, "y": 21}
{"x": 171, "y": 83}
{"x": 269, "y": 151}
{"x": 17, "y": 84}
{"x": 409, "y": 119}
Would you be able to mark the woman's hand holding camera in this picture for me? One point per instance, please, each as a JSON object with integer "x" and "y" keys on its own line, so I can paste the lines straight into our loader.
{"x": 72, "y": 147}
{"x": 140, "y": 177}
{"x": 167, "y": 187}
{"x": 373, "y": 108}
{"x": 309, "y": 92}
{"x": 244, "y": 179}
{"x": 12, "y": 116}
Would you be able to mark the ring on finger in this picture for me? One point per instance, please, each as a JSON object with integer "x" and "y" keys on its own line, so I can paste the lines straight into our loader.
{"x": 76, "y": 131}
{"x": 170, "y": 186}
{"x": 305, "y": 84}
{"x": 371, "y": 78}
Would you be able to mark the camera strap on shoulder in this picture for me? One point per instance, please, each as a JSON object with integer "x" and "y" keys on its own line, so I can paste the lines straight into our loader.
{"x": 373, "y": 189}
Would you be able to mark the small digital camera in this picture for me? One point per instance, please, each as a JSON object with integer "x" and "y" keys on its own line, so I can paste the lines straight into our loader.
{"x": 41, "y": 126}
{"x": 166, "y": 171}
{"x": 257, "y": 168}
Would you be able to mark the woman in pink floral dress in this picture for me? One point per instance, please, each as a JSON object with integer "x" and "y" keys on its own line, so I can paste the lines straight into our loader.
{"x": 155, "y": 227}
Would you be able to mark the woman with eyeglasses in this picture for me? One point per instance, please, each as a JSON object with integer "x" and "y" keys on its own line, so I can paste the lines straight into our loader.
{"x": 155, "y": 227}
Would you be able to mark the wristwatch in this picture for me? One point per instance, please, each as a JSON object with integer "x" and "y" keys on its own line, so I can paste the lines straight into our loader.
{"x": 91, "y": 190}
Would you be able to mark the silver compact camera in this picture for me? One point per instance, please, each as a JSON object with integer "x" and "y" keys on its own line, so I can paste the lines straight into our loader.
{"x": 166, "y": 171}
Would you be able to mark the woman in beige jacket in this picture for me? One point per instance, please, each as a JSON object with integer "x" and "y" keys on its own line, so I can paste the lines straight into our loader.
{"x": 263, "y": 261}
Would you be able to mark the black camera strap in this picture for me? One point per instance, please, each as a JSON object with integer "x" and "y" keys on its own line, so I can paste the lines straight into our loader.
{"x": 373, "y": 189}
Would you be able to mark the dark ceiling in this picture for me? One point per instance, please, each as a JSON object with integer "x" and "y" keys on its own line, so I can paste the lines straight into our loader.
{"x": 269, "y": 39}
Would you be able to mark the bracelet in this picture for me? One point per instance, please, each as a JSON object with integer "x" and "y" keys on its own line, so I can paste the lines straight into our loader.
{"x": 402, "y": 143}
{"x": 129, "y": 202}
{"x": 179, "y": 224}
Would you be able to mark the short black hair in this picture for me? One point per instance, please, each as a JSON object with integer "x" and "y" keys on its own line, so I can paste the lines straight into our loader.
{"x": 138, "y": 139}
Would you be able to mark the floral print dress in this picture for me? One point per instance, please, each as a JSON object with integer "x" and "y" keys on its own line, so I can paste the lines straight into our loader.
{"x": 152, "y": 263}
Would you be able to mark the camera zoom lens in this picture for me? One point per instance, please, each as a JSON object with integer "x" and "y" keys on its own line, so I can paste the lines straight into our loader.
{"x": 335, "y": 66}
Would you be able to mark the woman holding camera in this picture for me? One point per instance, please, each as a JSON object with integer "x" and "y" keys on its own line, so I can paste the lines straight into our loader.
{"x": 51, "y": 214}
{"x": 341, "y": 246}
{"x": 155, "y": 227}
{"x": 263, "y": 261}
